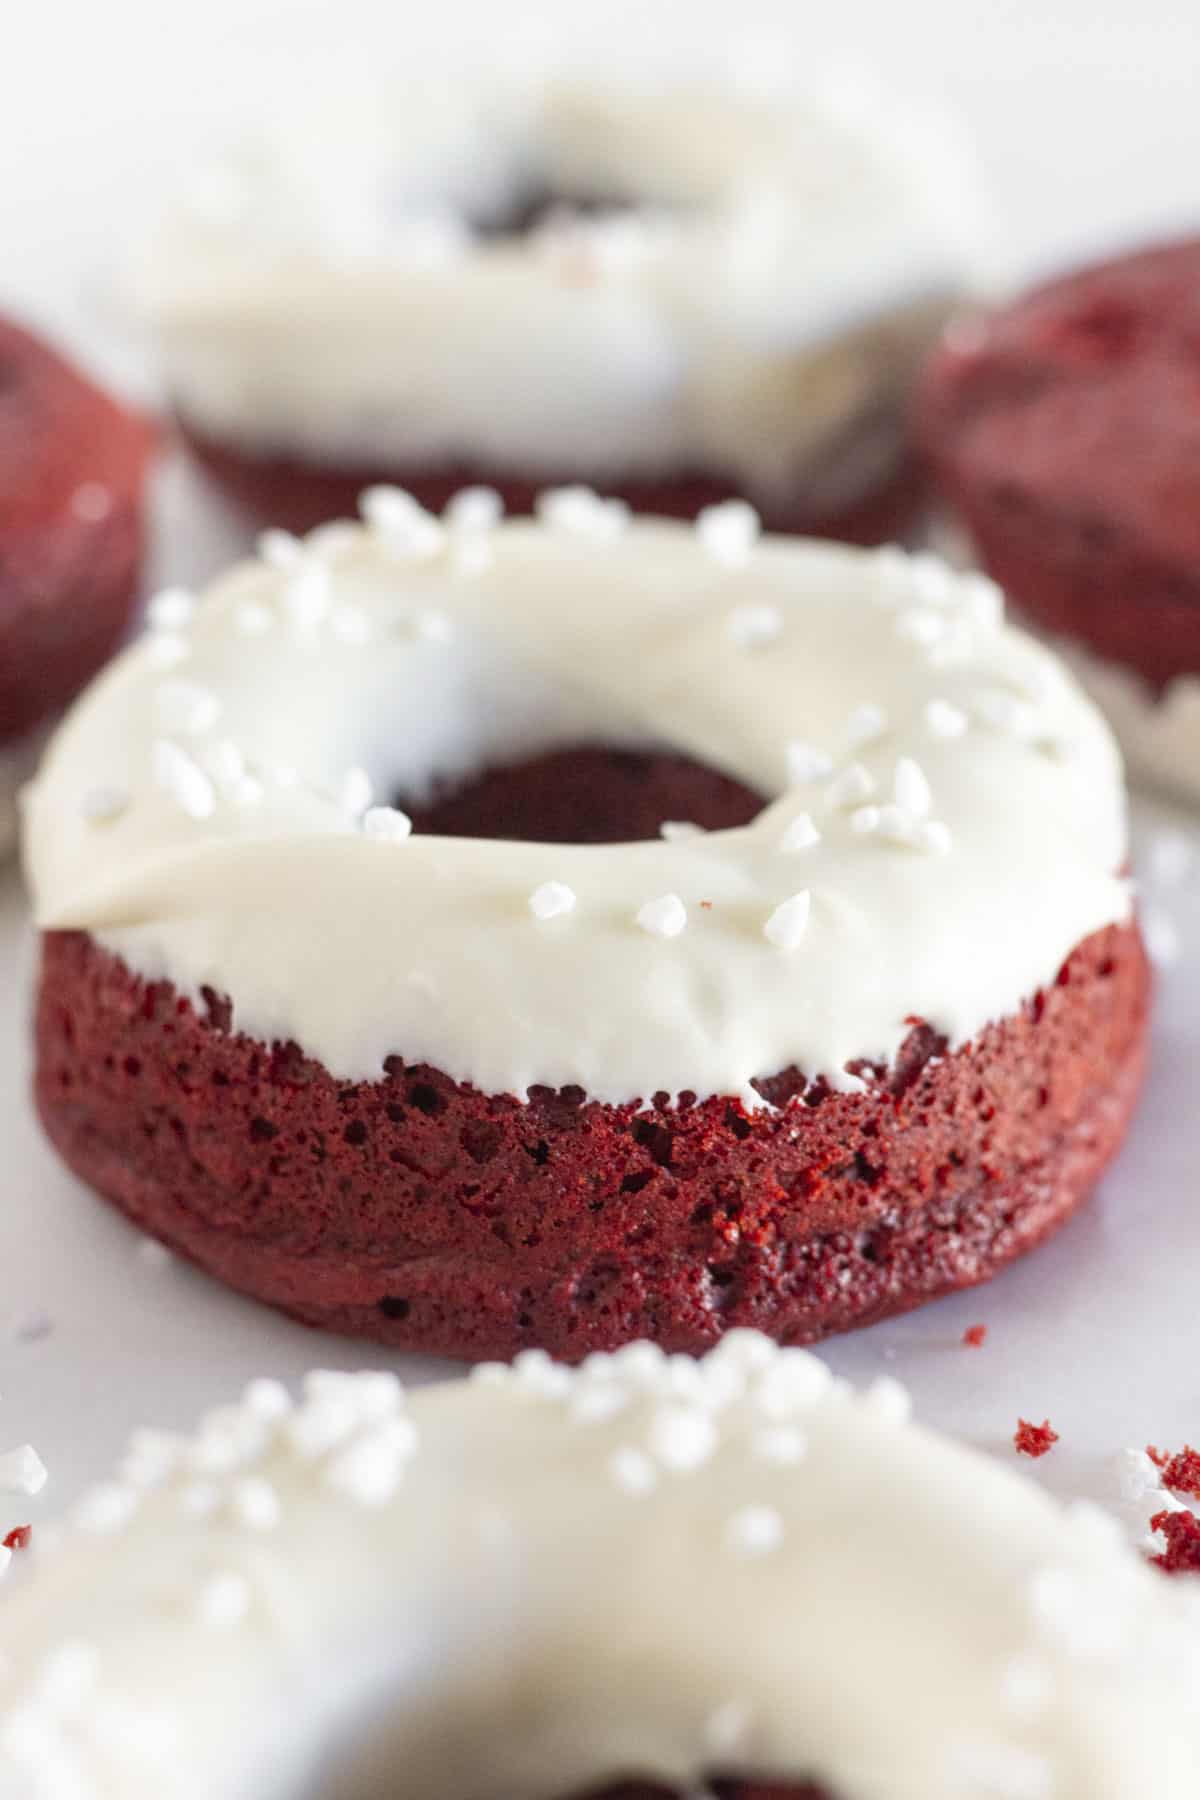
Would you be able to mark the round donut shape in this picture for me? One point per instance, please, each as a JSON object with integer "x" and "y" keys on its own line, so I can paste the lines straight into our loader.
{"x": 679, "y": 296}
{"x": 536, "y": 1581}
{"x": 1063, "y": 431}
{"x": 72, "y": 465}
{"x": 853, "y": 1047}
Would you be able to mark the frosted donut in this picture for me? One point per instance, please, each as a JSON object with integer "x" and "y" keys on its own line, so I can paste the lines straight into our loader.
{"x": 675, "y": 294}
{"x": 534, "y": 1581}
{"x": 863, "y": 1044}
{"x": 72, "y": 468}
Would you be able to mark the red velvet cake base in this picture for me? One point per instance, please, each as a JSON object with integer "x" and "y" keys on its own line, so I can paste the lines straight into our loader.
{"x": 1067, "y": 438}
{"x": 422, "y": 1213}
{"x": 69, "y": 559}
{"x": 299, "y": 495}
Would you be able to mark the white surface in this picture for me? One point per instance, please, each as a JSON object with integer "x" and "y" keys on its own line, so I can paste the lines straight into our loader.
{"x": 1088, "y": 131}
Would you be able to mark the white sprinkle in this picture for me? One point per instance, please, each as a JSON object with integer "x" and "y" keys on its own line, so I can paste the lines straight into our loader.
{"x": 788, "y": 923}
{"x": 888, "y": 1401}
{"x": 151, "y": 1457}
{"x": 799, "y": 834}
{"x": 386, "y": 824}
{"x": 170, "y": 610}
{"x": 793, "y": 1382}
{"x": 753, "y": 627}
{"x": 357, "y": 789}
{"x": 674, "y": 831}
{"x": 154, "y": 1255}
{"x": 185, "y": 706}
{"x": 306, "y": 597}
{"x": 280, "y": 549}
{"x": 1161, "y": 935}
{"x": 581, "y": 512}
{"x": 537, "y": 1373}
{"x": 100, "y": 805}
{"x": 474, "y": 509}
{"x": 165, "y": 649}
{"x": 350, "y": 625}
{"x": 682, "y": 1437}
{"x": 864, "y": 820}
{"x": 551, "y": 900}
{"x": 896, "y": 824}
{"x": 224, "y": 1600}
{"x": 268, "y": 1400}
{"x": 199, "y": 1499}
{"x": 982, "y": 598}
{"x": 1004, "y": 712}
{"x": 593, "y": 1402}
{"x": 934, "y": 837}
{"x": 729, "y": 531}
{"x": 255, "y": 1504}
{"x": 632, "y": 1471}
{"x": 854, "y": 785}
{"x": 864, "y": 725}
{"x": 336, "y": 538}
{"x": 665, "y": 917}
{"x": 945, "y": 720}
{"x": 405, "y": 526}
{"x": 91, "y": 501}
{"x": 370, "y": 1471}
{"x": 22, "y": 1471}
{"x": 319, "y": 1426}
{"x": 726, "y": 1728}
{"x": 806, "y": 763}
{"x": 183, "y": 778}
{"x": 921, "y": 626}
{"x": 781, "y": 1444}
{"x": 754, "y": 1531}
{"x": 252, "y": 618}
{"x": 744, "y": 1350}
{"x": 911, "y": 788}
{"x": 106, "y": 1507}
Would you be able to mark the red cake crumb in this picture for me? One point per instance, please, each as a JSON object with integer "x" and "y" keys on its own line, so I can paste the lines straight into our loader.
{"x": 1034, "y": 1440}
{"x": 974, "y": 1336}
{"x": 1182, "y": 1532}
{"x": 1181, "y": 1472}
{"x": 18, "y": 1538}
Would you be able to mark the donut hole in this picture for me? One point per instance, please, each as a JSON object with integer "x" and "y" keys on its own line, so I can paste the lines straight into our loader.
{"x": 587, "y": 795}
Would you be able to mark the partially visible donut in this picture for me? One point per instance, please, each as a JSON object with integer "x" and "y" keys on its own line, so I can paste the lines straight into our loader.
{"x": 679, "y": 295}
{"x": 535, "y": 1581}
{"x": 72, "y": 464}
{"x": 870, "y": 1037}
{"x": 1065, "y": 433}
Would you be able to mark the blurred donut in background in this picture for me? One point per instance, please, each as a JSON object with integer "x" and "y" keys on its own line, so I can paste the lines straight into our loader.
{"x": 72, "y": 466}
{"x": 672, "y": 295}
{"x": 1064, "y": 432}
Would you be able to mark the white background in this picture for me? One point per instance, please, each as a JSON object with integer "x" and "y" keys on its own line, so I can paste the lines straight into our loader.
{"x": 1086, "y": 119}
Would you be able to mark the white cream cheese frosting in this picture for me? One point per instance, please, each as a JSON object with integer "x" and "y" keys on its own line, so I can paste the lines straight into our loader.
{"x": 760, "y": 314}
{"x": 945, "y": 817}
{"x": 531, "y": 1580}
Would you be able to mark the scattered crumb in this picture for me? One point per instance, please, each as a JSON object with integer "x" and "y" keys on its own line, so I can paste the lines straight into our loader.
{"x": 1034, "y": 1440}
{"x": 974, "y": 1336}
{"x": 1180, "y": 1473}
{"x": 1182, "y": 1532}
{"x": 706, "y": 906}
{"x": 18, "y": 1538}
